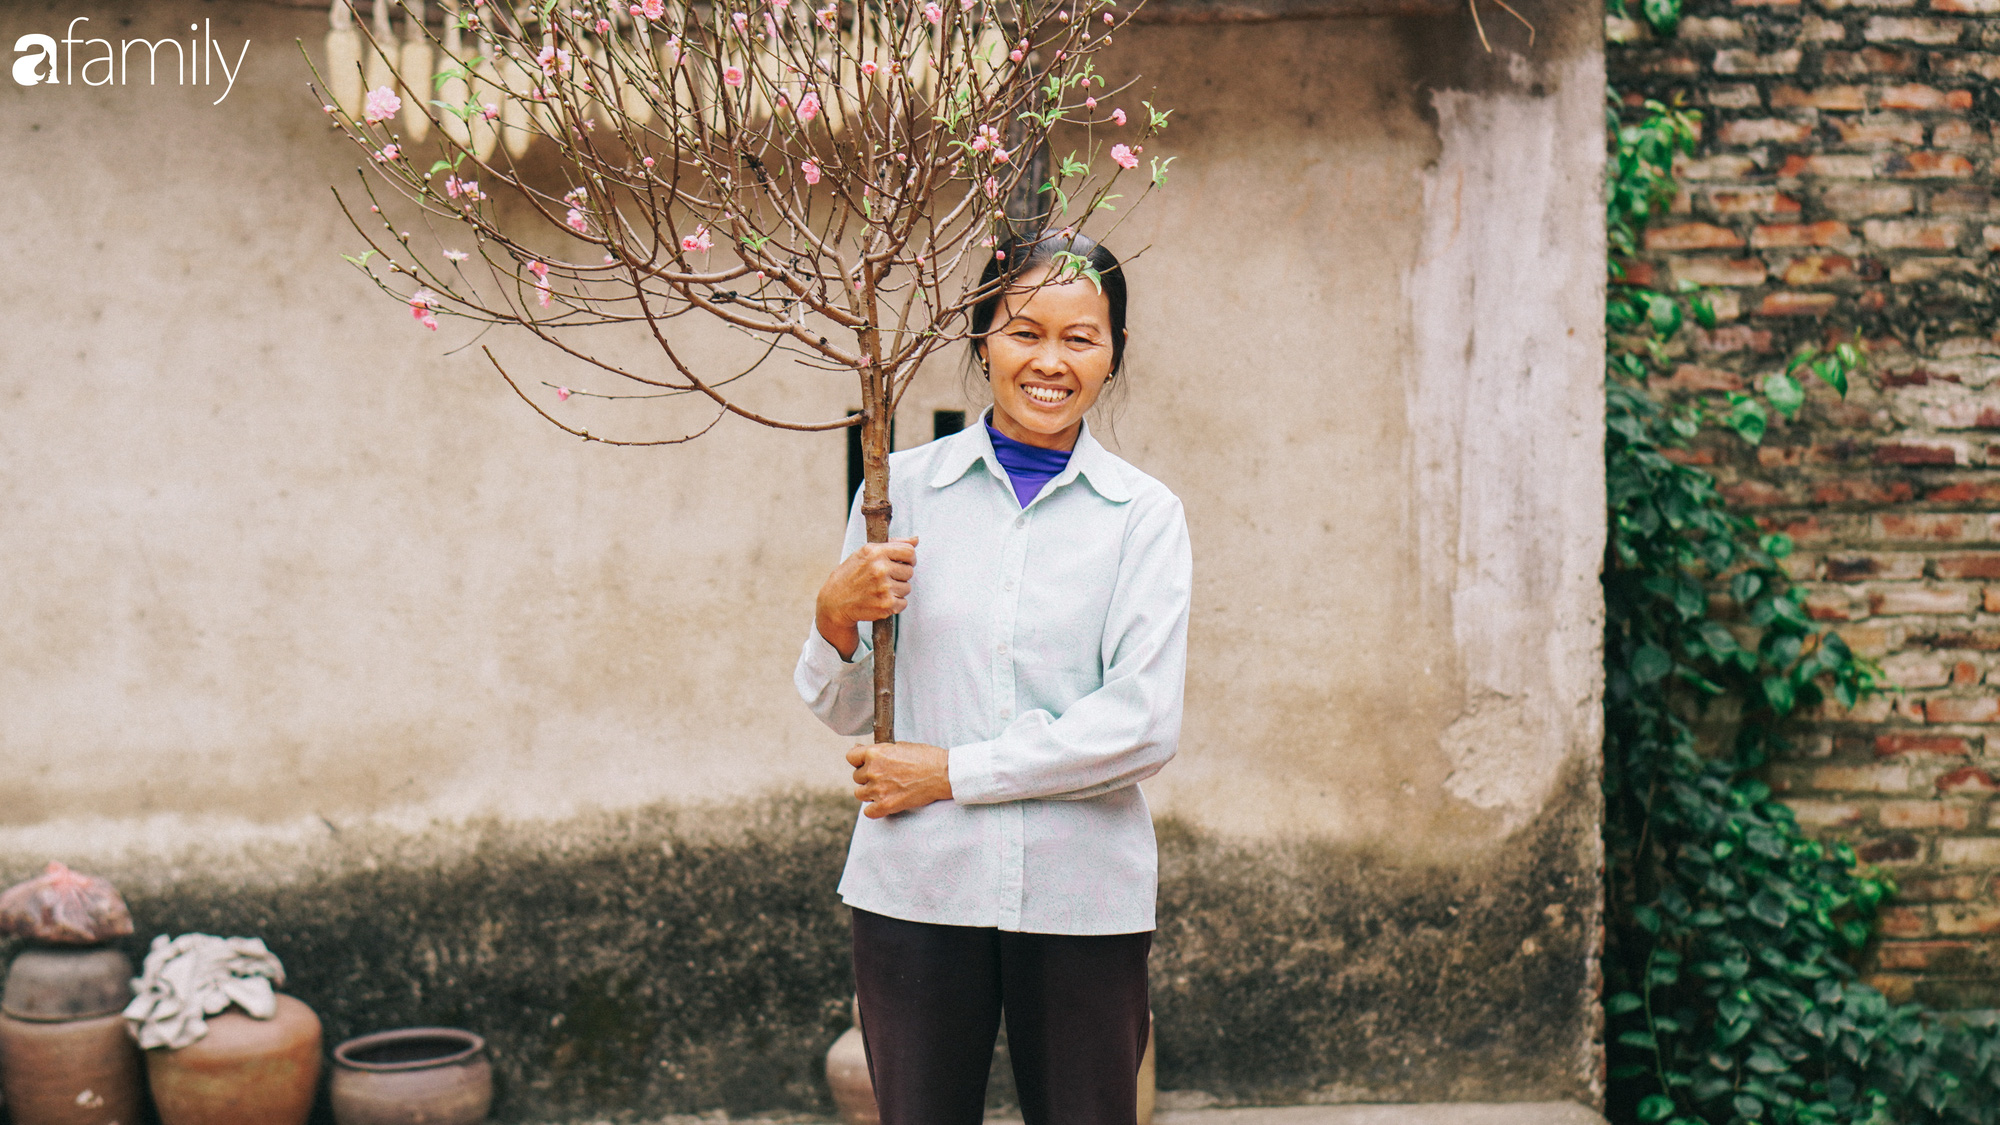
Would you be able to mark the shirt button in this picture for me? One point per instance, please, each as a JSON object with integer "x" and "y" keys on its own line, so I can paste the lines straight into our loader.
{"x": 1003, "y": 650}
{"x": 1021, "y": 521}
{"x": 1009, "y": 584}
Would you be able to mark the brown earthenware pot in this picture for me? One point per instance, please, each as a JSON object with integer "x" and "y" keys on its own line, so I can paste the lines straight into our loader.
{"x": 67, "y": 982}
{"x": 70, "y": 1072}
{"x": 412, "y": 1076}
{"x": 847, "y": 1074}
{"x": 245, "y": 1071}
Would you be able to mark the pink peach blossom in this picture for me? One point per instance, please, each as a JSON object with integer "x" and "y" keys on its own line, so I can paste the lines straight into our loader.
{"x": 604, "y": 27}
{"x": 652, "y": 9}
{"x": 698, "y": 241}
{"x": 741, "y": 21}
{"x": 382, "y": 104}
{"x": 1108, "y": 19}
{"x": 732, "y": 75}
{"x": 1000, "y": 156}
{"x": 648, "y": 162}
{"x": 563, "y": 393}
{"x": 1118, "y": 117}
{"x": 541, "y": 272}
{"x": 1122, "y": 156}
{"x": 809, "y": 107}
{"x": 456, "y": 255}
{"x": 869, "y": 68}
{"x": 388, "y": 153}
{"x": 1090, "y": 103}
{"x": 1016, "y": 55}
{"x": 992, "y": 188}
{"x": 576, "y": 222}
{"x": 421, "y": 304}
{"x": 934, "y": 14}
{"x": 810, "y": 170}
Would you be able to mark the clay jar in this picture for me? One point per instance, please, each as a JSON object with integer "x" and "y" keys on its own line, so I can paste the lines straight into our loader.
{"x": 413, "y": 1076}
{"x": 245, "y": 1071}
{"x": 65, "y": 1057}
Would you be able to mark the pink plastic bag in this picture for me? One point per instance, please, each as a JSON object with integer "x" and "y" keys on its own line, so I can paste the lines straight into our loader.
{"x": 65, "y": 907}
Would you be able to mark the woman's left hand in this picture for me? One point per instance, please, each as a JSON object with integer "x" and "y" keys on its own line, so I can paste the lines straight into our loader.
{"x": 893, "y": 777}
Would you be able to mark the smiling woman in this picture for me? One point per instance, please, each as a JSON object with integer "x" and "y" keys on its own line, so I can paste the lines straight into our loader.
{"x": 1049, "y": 345}
{"x": 1007, "y": 851}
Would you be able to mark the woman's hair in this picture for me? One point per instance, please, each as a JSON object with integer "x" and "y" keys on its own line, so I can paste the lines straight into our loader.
{"x": 1021, "y": 253}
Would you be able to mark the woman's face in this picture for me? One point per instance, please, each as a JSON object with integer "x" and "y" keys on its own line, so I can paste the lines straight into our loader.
{"x": 1048, "y": 355}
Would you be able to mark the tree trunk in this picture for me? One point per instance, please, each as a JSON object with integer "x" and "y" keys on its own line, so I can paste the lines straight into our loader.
{"x": 875, "y": 507}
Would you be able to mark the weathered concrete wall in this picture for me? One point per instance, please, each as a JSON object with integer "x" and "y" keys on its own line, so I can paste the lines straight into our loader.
{"x": 310, "y": 630}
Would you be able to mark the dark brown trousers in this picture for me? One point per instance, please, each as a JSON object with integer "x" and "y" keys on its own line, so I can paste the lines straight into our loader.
{"x": 931, "y": 1002}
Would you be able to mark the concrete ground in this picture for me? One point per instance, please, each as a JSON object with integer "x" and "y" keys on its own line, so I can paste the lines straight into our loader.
{"x": 1437, "y": 1113}
{"x": 1467, "y": 1113}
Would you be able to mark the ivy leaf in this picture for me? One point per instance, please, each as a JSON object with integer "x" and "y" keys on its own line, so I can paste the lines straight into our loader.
{"x": 1746, "y": 416}
{"x": 1664, "y": 314}
{"x": 1655, "y": 1107}
{"x": 1784, "y": 393}
{"x": 1623, "y": 1002}
{"x": 1651, "y": 663}
{"x": 1704, "y": 312}
{"x": 1662, "y": 15}
{"x": 1769, "y": 909}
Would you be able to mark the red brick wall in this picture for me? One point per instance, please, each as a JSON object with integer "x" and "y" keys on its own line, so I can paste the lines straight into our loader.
{"x": 1846, "y": 179}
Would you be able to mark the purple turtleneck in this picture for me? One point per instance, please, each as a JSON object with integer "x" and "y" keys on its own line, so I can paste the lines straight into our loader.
{"x": 1029, "y": 467}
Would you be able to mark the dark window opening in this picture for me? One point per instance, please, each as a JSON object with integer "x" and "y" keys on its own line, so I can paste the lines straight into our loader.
{"x": 854, "y": 470}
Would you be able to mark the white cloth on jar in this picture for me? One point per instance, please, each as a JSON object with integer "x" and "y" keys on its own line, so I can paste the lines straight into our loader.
{"x": 188, "y": 978}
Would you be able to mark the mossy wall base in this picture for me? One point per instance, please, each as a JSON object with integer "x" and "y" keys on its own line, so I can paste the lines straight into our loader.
{"x": 675, "y": 961}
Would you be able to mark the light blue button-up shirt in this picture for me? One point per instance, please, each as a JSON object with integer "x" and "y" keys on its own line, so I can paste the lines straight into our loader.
{"x": 1046, "y": 649}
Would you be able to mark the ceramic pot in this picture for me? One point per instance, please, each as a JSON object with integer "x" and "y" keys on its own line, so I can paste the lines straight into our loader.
{"x": 1149, "y": 1081}
{"x": 70, "y": 1072}
{"x": 245, "y": 1071}
{"x": 415, "y": 1076}
{"x": 67, "y": 982}
{"x": 847, "y": 1073}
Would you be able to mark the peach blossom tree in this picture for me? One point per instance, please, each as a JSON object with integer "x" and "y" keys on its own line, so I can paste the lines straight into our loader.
{"x": 826, "y": 177}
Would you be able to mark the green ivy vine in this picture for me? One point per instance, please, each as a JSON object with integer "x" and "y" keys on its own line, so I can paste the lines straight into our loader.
{"x": 1731, "y": 996}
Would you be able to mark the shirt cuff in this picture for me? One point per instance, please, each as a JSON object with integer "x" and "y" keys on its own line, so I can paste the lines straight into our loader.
{"x": 974, "y": 772}
{"x": 824, "y": 661}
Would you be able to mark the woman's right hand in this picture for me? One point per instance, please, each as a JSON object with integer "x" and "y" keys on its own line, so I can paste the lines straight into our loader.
{"x": 869, "y": 585}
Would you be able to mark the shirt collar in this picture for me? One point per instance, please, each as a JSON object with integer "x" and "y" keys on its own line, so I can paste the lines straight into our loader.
{"x": 1089, "y": 460}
